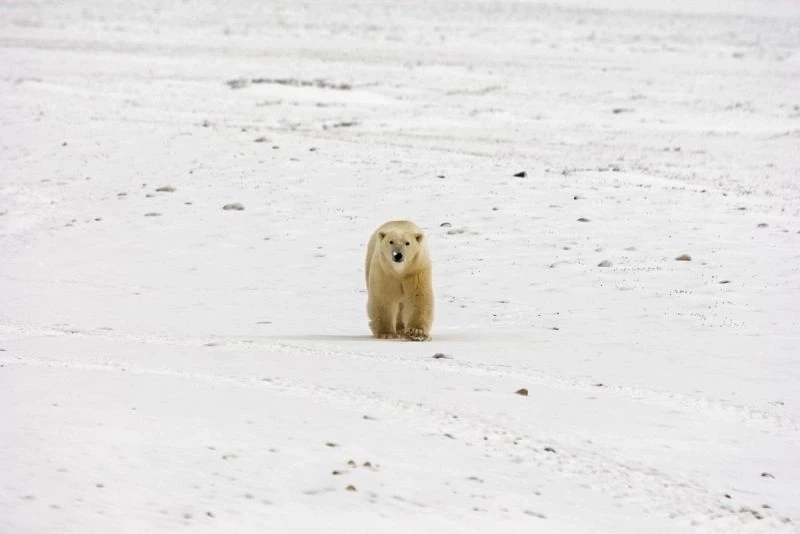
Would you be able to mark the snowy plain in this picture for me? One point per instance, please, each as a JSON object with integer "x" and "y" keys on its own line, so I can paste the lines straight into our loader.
{"x": 170, "y": 366}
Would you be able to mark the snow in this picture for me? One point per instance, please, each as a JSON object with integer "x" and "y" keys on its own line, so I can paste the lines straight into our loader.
{"x": 167, "y": 365}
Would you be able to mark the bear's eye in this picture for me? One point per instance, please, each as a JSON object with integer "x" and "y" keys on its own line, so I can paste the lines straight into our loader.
{"x": 407, "y": 243}
{"x": 391, "y": 242}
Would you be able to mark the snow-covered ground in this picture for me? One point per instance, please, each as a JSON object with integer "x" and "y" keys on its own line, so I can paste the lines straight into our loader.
{"x": 169, "y": 366}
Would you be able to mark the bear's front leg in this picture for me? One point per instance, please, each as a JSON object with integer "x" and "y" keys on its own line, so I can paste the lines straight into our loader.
{"x": 418, "y": 316}
{"x": 382, "y": 320}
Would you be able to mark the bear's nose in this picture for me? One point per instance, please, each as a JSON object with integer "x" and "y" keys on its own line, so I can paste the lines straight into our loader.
{"x": 397, "y": 256}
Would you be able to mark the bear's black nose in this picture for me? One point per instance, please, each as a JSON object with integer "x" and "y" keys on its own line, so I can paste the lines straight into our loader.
{"x": 397, "y": 256}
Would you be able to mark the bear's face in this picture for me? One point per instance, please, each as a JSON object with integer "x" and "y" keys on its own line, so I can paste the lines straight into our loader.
{"x": 400, "y": 248}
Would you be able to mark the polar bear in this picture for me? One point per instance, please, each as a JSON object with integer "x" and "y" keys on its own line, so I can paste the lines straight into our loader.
{"x": 399, "y": 288}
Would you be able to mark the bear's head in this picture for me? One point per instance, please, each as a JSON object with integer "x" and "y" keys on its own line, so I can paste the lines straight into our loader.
{"x": 401, "y": 249}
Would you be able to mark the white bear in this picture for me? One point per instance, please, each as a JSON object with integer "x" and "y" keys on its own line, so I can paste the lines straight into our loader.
{"x": 399, "y": 282}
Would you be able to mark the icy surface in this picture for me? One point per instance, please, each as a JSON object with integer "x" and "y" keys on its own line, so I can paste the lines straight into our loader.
{"x": 170, "y": 365}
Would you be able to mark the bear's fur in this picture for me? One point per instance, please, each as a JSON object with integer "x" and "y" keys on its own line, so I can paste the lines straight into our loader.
{"x": 399, "y": 282}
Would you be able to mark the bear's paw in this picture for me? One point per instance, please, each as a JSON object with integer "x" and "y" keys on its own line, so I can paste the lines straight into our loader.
{"x": 416, "y": 334}
{"x": 386, "y": 336}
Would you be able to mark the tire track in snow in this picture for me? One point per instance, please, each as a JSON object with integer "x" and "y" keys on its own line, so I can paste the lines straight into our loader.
{"x": 715, "y": 408}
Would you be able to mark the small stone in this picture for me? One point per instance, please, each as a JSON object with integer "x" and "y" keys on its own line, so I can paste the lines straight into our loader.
{"x": 238, "y": 83}
{"x": 599, "y": 385}
{"x": 351, "y": 488}
{"x": 439, "y": 356}
{"x": 233, "y": 206}
{"x": 336, "y": 473}
{"x": 445, "y": 225}
{"x": 534, "y": 514}
{"x": 331, "y": 444}
{"x": 523, "y": 392}
{"x": 165, "y": 189}
{"x": 260, "y": 140}
{"x": 583, "y": 219}
{"x": 351, "y": 463}
{"x": 762, "y": 225}
{"x": 210, "y": 514}
{"x": 604, "y": 263}
{"x": 683, "y": 257}
{"x": 724, "y": 281}
{"x": 767, "y": 475}
{"x": 520, "y": 174}
{"x": 549, "y": 449}
{"x": 366, "y": 464}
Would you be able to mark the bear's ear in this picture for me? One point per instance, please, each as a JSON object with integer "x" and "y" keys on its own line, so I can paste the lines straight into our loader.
{"x": 419, "y": 237}
{"x": 381, "y": 235}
